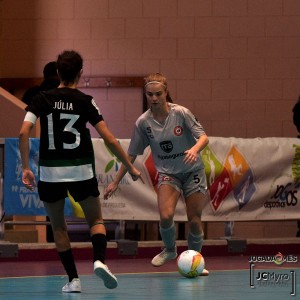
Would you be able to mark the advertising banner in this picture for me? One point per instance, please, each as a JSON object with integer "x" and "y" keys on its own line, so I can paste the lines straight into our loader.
{"x": 248, "y": 179}
{"x": 17, "y": 199}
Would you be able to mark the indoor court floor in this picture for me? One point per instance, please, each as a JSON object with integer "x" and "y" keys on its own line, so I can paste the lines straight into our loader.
{"x": 231, "y": 277}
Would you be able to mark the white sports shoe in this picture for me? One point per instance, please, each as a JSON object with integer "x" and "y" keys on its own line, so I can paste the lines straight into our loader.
{"x": 204, "y": 273}
{"x": 164, "y": 256}
{"x": 72, "y": 287}
{"x": 102, "y": 271}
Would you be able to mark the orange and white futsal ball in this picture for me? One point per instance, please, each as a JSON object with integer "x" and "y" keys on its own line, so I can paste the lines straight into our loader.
{"x": 190, "y": 263}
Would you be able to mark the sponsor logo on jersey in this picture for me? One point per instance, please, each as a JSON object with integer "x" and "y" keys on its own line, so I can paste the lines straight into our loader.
{"x": 166, "y": 146}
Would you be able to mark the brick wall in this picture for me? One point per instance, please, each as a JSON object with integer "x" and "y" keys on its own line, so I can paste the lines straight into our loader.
{"x": 234, "y": 63}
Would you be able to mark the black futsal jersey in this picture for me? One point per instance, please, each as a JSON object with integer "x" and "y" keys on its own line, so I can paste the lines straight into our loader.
{"x": 66, "y": 149}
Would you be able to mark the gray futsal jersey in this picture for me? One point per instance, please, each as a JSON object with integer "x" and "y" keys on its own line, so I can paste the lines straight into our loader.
{"x": 168, "y": 141}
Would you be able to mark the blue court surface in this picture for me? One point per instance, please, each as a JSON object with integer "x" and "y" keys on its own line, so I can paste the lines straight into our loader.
{"x": 220, "y": 284}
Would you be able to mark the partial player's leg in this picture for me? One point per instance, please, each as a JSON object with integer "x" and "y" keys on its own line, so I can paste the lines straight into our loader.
{"x": 195, "y": 204}
{"x": 167, "y": 200}
{"x": 92, "y": 211}
{"x": 55, "y": 212}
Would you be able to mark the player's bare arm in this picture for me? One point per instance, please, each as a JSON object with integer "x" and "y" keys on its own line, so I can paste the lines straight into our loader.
{"x": 117, "y": 150}
{"x": 27, "y": 176}
{"x": 112, "y": 187}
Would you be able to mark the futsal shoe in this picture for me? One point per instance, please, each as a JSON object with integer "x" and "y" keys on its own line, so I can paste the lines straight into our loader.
{"x": 72, "y": 287}
{"x": 204, "y": 273}
{"x": 164, "y": 256}
{"x": 102, "y": 271}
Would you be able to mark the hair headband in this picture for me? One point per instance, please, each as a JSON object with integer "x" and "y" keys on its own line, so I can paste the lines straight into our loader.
{"x": 154, "y": 81}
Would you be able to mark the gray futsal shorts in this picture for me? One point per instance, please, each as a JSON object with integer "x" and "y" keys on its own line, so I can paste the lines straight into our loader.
{"x": 187, "y": 183}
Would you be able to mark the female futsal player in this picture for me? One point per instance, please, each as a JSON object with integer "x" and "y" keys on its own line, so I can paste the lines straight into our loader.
{"x": 176, "y": 139}
{"x": 66, "y": 163}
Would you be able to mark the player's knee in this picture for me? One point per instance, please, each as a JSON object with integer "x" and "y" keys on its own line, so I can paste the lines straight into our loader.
{"x": 165, "y": 224}
{"x": 195, "y": 224}
{"x": 166, "y": 221}
{"x": 97, "y": 223}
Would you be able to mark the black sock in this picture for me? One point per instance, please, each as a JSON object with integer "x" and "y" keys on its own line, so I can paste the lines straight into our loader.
{"x": 68, "y": 262}
{"x": 99, "y": 246}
